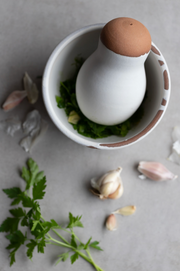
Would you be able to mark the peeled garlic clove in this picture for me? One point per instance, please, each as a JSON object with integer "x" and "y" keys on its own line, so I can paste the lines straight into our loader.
{"x": 128, "y": 210}
{"x": 109, "y": 185}
{"x": 14, "y": 99}
{"x": 111, "y": 223}
{"x": 73, "y": 117}
{"x": 31, "y": 88}
{"x": 156, "y": 171}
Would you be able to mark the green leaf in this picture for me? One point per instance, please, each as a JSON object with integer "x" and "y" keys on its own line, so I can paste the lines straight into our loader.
{"x": 16, "y": 240}
{"x": 74, "y": 221}
{"x": 63, "y": 257}
{"x": 18, "y": 212}
{"x": 35, "y": 223}
{"x": 10, "y": 224}
{"x": 87, "y": 244}
{"x": 74, "y": 257}
{"x": 26, "y": 175}
{"x": 60, "y": 102}
{"x": 40, "y": 246}
{"x": 81, "y": 246}
{"x": 31, "y": 247}
{"x": 73, "y": 242}
{"x": 12, "y": 256}
{"x": 32, "y": 174}
{"x": 39, "y": 177}
{"x": 16, "y": 237}
{"x": 55, "y": 225}
{"x": 16, "y": 201}
{"x": 95, "y": 245}
{"x": 38, "y": 189}
{"x": 13, "y": 192}
{"x": 24, "y": 222}
{"x": 27, "y": 201}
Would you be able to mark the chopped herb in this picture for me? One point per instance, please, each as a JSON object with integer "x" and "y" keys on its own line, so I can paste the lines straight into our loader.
{"x": 41, "y": 229}
{"x": 83, "y": 125}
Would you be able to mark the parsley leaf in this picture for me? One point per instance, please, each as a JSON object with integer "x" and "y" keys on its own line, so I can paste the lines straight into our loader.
{"x": 13, "y": 193}
{"x": 16, "y": 240}
{"x": 74, "y": 257}
{"x": 74, "y": 221}
{"x": 32, "y": 174}
{"x": 95, "y": 245}
{"x": 10, "y": 224}
{"x": 63, "y": 257}
{"x": 31, "y": 246}
{"x": 38, "y": 189}
{"x": 18, "y": 212}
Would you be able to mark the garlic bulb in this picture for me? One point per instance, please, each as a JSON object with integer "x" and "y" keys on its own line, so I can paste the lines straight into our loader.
{"x": 156, "y": 171}
{"x": 109, "y": 185}
{"x": 111, "y": 223}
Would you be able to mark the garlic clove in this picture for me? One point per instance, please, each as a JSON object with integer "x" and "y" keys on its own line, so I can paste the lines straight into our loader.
{"x": 73, "y": 117}
{"x": 128, "y": 210}
{"x": 111, "y": 223}
{"x": 156, "y": 171}
{"x": 109, "y": 185}
{"x": 118, "y": 193}
{"x": 14, "y": 99}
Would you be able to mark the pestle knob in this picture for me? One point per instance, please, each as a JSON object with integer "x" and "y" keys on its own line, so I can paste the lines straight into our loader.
{"x": 127, "y": 37}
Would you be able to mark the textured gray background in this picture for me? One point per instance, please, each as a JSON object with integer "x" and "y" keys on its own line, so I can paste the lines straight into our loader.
{"x": 149, "y": 240}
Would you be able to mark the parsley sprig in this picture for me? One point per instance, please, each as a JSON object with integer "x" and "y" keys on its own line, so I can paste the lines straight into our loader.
{"x": 28, "y": 215}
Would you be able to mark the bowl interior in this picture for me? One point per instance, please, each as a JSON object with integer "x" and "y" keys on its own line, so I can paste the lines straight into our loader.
{"x": 60, "y": 67}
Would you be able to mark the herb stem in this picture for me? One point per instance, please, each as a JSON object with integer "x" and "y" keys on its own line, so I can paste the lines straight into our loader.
{"x": 60, "y": 243}
{"x": 62, "y": 238}
{"x": 88, "y": 259}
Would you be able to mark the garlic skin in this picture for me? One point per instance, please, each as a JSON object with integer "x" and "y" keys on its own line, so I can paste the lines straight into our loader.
{"x": 156, "y": 171}
{"x": 31, "y": 88}
{"x": 111, "y": 223}
{"x": 109, "y": 185}
{"x": 14, "y": 99}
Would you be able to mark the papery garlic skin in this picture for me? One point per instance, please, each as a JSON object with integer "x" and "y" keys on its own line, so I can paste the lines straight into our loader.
{"x": 31, "y": 88}
{"x": 109, "y": 185}
{"x": 14, "y": 99}
{"x": 156, "y": 171}
{"x": 111, "y": 223}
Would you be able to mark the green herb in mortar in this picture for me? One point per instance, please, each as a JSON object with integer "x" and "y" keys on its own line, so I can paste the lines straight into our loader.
{"x": 83, "y": 125}
{"x": 30, "y": 218}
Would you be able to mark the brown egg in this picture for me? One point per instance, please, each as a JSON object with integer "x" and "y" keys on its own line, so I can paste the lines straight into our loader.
{"x": 126, "y": 36}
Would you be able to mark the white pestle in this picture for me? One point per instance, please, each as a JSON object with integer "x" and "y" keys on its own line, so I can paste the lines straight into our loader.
{"x": 110, "y": 85}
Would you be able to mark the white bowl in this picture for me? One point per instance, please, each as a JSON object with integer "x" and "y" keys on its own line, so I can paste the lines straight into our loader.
{"x": 59, "y": 67}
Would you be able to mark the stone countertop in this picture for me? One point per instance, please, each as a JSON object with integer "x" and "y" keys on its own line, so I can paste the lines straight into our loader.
{"x": 149, "y": 240}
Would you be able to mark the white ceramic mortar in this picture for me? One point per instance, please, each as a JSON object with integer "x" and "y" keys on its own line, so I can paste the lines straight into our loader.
{"x": 59, "y": 67}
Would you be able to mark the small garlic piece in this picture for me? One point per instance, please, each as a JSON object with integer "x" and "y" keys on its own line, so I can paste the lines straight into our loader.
{"x": 128, "y": 210}
{"x": 109, "y": 185}
{"x": 156, "y": 171}
{"x": 14, "y": 99}
{"x": 73, "y": 117}
{"x": 111, "y": 223}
